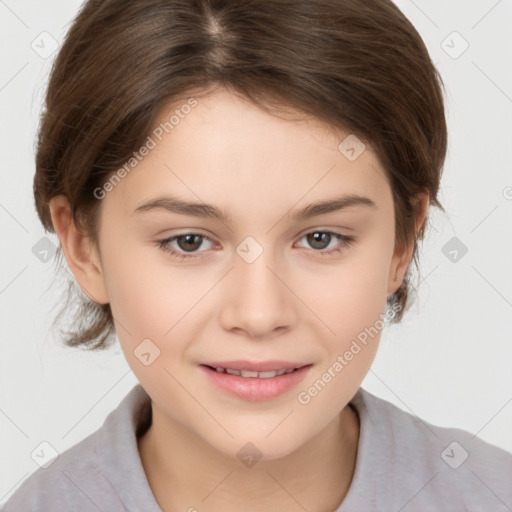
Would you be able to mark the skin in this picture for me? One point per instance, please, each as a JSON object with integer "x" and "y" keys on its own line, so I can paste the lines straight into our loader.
{"x": 291, "y": 303}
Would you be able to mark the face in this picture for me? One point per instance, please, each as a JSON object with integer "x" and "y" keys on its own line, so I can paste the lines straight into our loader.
{"x": 261, "y": 284}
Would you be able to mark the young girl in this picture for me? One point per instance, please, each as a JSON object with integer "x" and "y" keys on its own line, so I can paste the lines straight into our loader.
{"x": 296, "y": 147}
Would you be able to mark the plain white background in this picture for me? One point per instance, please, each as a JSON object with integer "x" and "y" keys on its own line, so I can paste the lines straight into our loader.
{"x": 449, "y": 362}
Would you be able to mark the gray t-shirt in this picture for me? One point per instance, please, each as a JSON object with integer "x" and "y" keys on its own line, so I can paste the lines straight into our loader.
{"x": 403, "y": 464}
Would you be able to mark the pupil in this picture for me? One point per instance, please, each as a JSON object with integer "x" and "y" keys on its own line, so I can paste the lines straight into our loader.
{"x": 315, "y": 240}
{"x": 189, "y": 240}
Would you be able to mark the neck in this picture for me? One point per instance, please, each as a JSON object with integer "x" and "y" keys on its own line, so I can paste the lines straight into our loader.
{"x": 184, "y": 472}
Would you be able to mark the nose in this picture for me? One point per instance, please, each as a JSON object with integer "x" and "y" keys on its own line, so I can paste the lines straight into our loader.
{"x": 257, "y": 300}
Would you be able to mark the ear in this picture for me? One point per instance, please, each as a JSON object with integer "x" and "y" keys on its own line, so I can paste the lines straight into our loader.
{"x": 79, "y": 250}
{"x": 403, "y": 255}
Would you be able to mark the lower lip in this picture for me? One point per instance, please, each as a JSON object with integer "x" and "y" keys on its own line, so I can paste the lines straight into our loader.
{"x": 253, "y": 388}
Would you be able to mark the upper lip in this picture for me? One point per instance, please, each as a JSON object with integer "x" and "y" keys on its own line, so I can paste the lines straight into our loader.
{"x": 255, "y": 366}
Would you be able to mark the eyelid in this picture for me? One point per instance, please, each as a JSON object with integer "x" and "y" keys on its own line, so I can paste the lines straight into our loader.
{"x": 344, "y": 241}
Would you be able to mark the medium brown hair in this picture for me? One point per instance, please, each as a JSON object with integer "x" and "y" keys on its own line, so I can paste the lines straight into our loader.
{"x": 357, "y": 65}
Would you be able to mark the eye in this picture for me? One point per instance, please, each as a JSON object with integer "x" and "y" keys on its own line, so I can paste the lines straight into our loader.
{"x": 320, "y": 240}
{"x": 188, "y": 243}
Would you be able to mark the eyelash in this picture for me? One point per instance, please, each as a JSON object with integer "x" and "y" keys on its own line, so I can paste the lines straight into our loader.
{"x": 164, "y": 244}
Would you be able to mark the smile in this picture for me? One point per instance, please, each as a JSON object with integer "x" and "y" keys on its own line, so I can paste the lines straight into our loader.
{"x": 255, "y": 385}
{"x": 253, "y": 374}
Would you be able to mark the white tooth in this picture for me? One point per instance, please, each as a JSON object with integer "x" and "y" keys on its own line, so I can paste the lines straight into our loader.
{"x": 268, "y": 375}
{"x": 248, "y": 373}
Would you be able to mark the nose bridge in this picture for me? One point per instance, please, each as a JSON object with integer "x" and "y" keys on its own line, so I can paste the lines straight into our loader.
{"x": 252, "y": 269}
{"x": 260, "y": 302}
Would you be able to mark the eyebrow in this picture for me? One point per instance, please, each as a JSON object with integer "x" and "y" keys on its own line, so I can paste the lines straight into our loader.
{"x": 175, "y": 205}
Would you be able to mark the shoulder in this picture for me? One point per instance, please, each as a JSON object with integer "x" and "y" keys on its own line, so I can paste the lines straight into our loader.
{"x": 86, "y": 477}
{"x": 425, "y": 465}
{"x": 72, "y": 481}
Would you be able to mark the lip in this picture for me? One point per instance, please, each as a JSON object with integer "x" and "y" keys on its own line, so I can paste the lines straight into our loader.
{"x": 256, "y": 366}
{"x": 255, "y": 389}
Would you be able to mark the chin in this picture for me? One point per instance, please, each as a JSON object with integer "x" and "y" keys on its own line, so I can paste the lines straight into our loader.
{"x": 251, "y": 449}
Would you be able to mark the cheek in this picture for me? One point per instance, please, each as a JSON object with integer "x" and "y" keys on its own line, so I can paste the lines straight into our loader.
{"x": 351, "y": 295}
{"x": 152, "y": 300}
{"x": 137, "y": 302}
{"x": 147, "y": 296}
{"x": 151, "y": 320}
{"x": 352, "y": 304}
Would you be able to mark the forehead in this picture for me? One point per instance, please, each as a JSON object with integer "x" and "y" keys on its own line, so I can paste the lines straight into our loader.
{"x": 227, "y": 151}
{"x": 224, "y": 115}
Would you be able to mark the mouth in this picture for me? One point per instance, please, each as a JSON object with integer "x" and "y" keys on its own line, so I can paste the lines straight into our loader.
{"x": 253, "y": 374}
{"x": 255, "y": 381}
